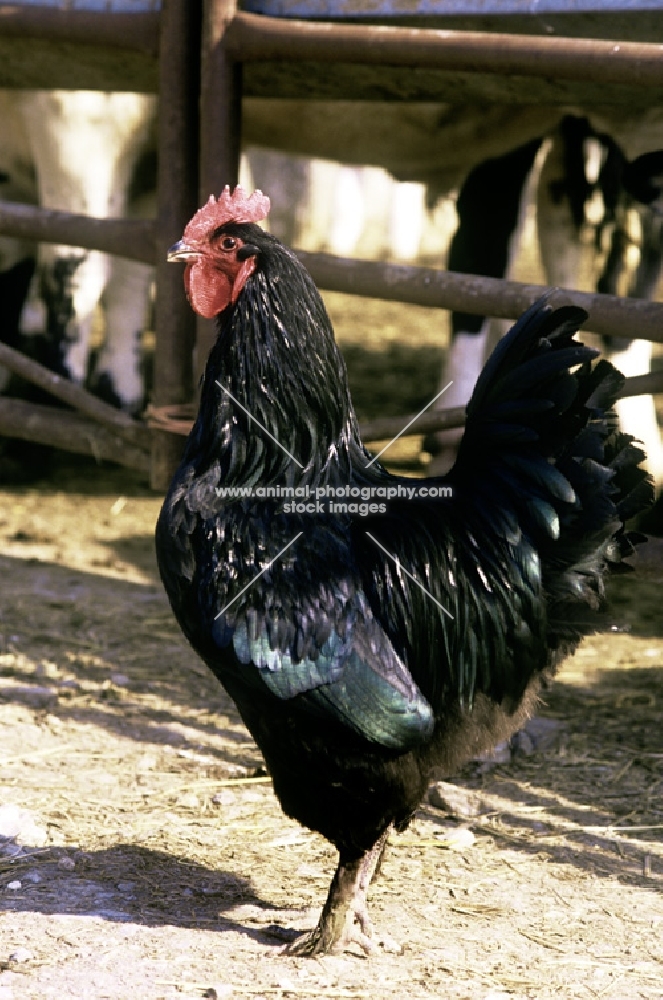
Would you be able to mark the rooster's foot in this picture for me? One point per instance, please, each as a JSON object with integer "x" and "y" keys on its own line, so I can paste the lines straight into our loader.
{"x": 344, "y": 920}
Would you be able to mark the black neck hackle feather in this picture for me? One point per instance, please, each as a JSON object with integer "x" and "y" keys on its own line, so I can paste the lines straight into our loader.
{"x": 274, "y": 351}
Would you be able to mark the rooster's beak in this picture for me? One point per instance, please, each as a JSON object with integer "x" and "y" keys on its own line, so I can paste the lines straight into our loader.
{"x": 182, "y": 251}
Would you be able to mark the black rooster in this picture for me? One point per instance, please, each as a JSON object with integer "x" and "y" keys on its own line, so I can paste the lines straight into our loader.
{"x": 364, "y": 651}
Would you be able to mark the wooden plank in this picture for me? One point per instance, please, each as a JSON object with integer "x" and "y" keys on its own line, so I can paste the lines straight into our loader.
{"x": 641, "y": 385}
{"x": 384, "y": 428}
{"x": 609, "y": 315}
{"x": 131, "y": 238}
{"x": 67, "y": 431}
{"x": 74, "y": 395}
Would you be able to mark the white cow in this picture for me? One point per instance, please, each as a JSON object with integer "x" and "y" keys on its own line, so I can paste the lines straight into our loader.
{"x": 75, "y": 151}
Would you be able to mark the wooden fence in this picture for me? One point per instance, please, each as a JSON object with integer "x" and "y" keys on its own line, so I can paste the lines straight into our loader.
{"x": 199, "y": 55}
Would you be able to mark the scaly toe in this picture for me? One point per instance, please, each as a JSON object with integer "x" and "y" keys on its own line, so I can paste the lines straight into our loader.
{"x": 389, "y": 945}
{"x": 354, "y": 935}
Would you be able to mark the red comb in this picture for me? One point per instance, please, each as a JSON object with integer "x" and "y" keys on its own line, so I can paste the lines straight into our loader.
{"x": 235, "y": 207}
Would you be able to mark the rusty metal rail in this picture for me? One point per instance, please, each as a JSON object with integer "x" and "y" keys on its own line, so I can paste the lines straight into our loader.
{"x": 609, "y": 315}
{"x": 134, "y": 239}
{"x": 252, "y": 37}
{"x": 139, "y": 31}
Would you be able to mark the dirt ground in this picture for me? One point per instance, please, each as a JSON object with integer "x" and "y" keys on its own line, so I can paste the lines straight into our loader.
{"x": 144, "y": 854}
{"x": 152, "y": 860}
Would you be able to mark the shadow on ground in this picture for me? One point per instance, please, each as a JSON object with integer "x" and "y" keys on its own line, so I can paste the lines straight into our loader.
{"x": 141, "y": 885}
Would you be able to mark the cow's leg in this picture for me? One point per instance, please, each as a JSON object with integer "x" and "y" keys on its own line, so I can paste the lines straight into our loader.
{"x": 117, "y": 376}
{"x": 566, "y": 240}
{"x": 637, "y": 414}
{"x": 407, "y": 219}
{"x": 349, "y": 215}
{"x": 85, "y": 145}
{"x": 490, "y": 210}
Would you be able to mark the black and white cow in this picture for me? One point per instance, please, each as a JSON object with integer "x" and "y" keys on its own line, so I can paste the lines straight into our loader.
{"x": 440, "y": 145}
{"x": 598, "y": 227}
{"x": 76, "y": 151}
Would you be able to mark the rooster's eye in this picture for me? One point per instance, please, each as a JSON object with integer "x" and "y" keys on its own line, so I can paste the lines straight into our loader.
{"x": 228, "y": 243}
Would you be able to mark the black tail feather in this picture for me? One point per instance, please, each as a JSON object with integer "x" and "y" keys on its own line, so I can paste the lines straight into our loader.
{"x": 543, "y": 449}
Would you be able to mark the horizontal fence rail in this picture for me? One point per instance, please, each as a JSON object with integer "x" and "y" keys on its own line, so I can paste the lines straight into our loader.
{"x": 634, "y": 319}
{"x": 252, "y": 38}
{"x": 44, "y": 47}
{"x": 138, "y": 31}
{"x": 136, "y": 240}
{"x": 73, "y": 395}
{"x": 69, "y": 432}
{"x": 131, "y": 238}
{"x": 383, "y": 428}
{"x": 179, "y": 419}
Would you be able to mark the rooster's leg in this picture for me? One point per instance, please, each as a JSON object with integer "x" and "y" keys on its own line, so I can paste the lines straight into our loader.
{"x": 344, "y": 919}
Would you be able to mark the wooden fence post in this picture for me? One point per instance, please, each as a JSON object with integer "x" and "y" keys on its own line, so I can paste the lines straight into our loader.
{"x": 179, "y": 75}
{"x": 220, "y": 128}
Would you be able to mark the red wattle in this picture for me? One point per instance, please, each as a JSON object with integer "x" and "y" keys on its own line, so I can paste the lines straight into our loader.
{"x": 208, "y": 289}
